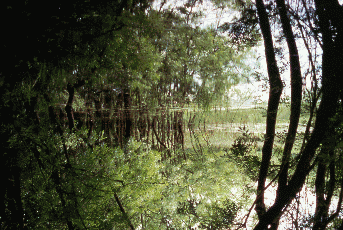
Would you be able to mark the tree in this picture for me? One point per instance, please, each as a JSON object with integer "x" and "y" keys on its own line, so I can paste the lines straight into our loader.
{"x": 328, "y": 32}
{"x": 73, "y": 33}
{"x": 93, "y": 56}
{"x": 59, "y": 174}
{"x": 197, "y": 63}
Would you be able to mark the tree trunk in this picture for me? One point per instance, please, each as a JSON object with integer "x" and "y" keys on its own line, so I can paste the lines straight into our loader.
{"x": 296, "y": 93}
{"x": 127, "y": 112}
{"x": 331, "y": 72}
{"x": 69, "y": 108}
{"x": 275, "y": 91}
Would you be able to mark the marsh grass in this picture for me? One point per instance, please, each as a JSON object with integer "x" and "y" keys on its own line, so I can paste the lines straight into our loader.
{"x": 221, "y": 127}
{"x": 219, "y": 130}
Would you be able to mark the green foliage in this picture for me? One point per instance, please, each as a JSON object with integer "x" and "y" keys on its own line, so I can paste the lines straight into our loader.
{"x": 70, "y": 178}
{"x": 204, "y": 189}
{"x": 244, "y": 28}
{"x": 197, "y": 63}
{"x": 215, "y": 215}
{"x": 65, "y": 177}
{"x": 220, "y": 215}
{"x": 243, "y": 144}
{"x": 244, "y": 152}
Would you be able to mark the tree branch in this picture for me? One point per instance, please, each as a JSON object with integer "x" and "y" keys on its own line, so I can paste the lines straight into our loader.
{"x": 121, "y": 207}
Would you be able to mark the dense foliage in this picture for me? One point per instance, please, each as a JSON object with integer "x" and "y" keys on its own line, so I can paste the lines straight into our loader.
{"x": 101, "y": 129}
{"x": 68, "y": 78}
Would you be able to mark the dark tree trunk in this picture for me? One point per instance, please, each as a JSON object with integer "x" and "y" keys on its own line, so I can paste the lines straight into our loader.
{"x": 275, "y": 91}
{"x": 296, "y": 93}
{"x": 328, "y": 13}
{"x": 69, "y": 108}
{"x": 324, "y": 192}
{"x": 296, "y": 88}
{"x": 127, "y": 112}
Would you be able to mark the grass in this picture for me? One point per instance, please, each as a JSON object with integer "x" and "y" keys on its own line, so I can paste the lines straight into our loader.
{"x": 237, "y": 115}
{"x": 220, "y": 128}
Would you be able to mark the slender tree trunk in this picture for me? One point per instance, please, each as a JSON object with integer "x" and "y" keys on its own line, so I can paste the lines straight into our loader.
{"x": 127, "y": 116}
{"x": 296, "y": 93}
{"x": 69, "y": 108}
{"x": 275, "y": 91}
{"x": 331, "y": 74}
